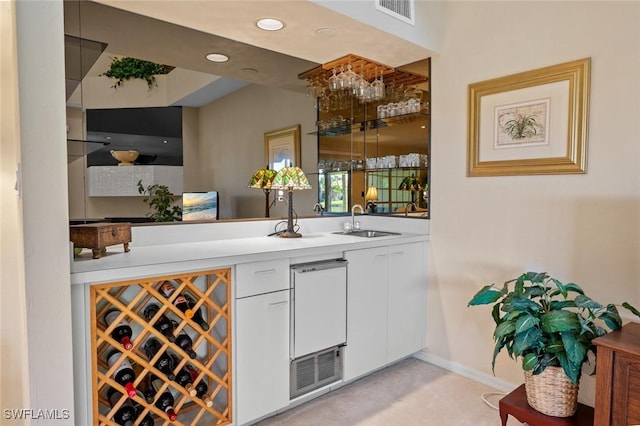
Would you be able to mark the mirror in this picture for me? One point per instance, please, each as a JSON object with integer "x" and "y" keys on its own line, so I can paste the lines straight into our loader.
{"x": 224, "y": 118}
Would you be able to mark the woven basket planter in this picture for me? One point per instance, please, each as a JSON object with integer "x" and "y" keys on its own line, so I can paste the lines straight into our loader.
{"x": 551, "y": 392}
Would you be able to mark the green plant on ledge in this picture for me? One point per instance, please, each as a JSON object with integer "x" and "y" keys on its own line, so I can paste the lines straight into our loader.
{"x": 547, "y": 323}
{"x": 160, "y": 199}
{"x": 126, "y": 68}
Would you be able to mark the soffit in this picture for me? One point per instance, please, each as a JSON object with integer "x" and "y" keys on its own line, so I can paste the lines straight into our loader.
{"x": 235, "y": 20}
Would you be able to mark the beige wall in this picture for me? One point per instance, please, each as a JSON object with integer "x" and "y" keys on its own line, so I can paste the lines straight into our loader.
{"x": 231, "y": 147}
{"x": 580, "y": 228}
{"x": 13, "y": 327}
{"x": 39, "y": 231}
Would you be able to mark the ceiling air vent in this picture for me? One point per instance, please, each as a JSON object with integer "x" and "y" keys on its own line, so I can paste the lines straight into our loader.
{"x": 400, "y": 9}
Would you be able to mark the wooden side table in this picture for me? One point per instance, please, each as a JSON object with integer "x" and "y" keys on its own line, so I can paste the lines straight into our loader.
{"x": 618, "y": 377}
{"x": 516, "y": 404}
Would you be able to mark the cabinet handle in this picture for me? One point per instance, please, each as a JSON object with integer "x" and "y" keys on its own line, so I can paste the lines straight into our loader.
{"x": 265, "y": 271}
{"x": 397, "y": 253}
{"x": 380, "y": 256}
{"x": 282, "y": 302}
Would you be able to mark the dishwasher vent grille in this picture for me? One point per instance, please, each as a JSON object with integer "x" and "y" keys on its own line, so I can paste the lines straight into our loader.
{"x": 313, "y": 371}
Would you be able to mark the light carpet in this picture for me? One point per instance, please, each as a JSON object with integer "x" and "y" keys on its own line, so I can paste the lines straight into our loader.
{"x": 409, "y": 393}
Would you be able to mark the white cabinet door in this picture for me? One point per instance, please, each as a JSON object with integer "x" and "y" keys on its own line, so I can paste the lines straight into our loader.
{"x": 262, "y": 355}
{"x": 407, "y": 300}
{"x": 366, "y": 348}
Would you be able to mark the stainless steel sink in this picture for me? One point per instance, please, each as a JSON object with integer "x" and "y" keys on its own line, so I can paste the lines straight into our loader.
{"x": 368, "y": 233}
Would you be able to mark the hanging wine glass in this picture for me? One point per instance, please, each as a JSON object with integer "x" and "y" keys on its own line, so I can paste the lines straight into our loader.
{"x": 333, "y": 81}
{"x": 362, "y": 86}
{"x": 324, "y": 103}
{"x": 342, "y": 79}
{"x": 351, "y": 77}
{"x": 378, "y": 87}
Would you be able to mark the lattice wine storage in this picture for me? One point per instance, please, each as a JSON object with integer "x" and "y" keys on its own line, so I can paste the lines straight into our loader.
{"x": 207, "y": 295}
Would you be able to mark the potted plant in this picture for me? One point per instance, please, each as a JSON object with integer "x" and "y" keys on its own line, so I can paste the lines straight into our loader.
{"x": 550, "y": 326}
{"x": 160, "y": 199}
{"x": 126, "y": 68}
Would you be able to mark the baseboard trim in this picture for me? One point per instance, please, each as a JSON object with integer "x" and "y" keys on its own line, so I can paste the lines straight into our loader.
{"x": 464, "y": 371}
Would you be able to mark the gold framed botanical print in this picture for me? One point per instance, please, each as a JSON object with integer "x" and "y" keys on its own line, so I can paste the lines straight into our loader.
{"x": 530, "y": 123}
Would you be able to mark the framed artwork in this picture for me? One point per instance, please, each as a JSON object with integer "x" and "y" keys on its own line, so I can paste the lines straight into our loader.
{"x": 282, "y": 147}
{"x": 535, "y": 122}
{"x": 200, "y": 206}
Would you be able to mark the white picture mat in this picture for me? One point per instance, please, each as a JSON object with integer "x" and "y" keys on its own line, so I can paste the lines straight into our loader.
{"x": 557, "y": 92}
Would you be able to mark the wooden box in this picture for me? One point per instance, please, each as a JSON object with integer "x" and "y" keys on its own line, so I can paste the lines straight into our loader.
{"x": 97, "y": 236}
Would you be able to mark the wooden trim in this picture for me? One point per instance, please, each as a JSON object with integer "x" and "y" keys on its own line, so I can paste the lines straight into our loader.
{"x": 212, "y": 292}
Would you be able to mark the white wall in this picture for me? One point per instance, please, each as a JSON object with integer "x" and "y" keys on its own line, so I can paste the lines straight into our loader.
{"x": 580, "y": 228}
{"x": 231, "y": 148}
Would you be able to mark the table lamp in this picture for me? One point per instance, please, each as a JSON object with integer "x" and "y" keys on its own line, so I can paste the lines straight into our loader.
{"x": 371, "y": 197}
{"x": 262, "y": 179}
{"x": 290, "y": 179}
{"x": 413, "y": 184}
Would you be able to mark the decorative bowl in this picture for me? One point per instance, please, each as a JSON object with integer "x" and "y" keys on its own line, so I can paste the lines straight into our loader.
{"x": 126, "y": 158}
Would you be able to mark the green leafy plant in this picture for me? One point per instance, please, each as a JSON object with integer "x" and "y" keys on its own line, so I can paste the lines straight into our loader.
{"x": 547, "y": 323}
{"x": 160, "y": 199}
{"x": 525, "y": 126}
{"x": 126, "y": 68}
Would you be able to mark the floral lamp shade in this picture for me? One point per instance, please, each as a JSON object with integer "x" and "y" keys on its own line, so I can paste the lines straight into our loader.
{"x": 290, "y": 178}
{"x": 262, "y": 178}
{"x": 412, "y": 183}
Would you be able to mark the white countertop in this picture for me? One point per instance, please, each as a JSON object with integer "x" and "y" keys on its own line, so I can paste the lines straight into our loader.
{"x": 116, "y": 265}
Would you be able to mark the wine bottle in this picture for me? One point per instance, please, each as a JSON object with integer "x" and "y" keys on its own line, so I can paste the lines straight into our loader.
{"x": 126, "y": 414}
{"x": 183, "y": 378}
{"x": 144, "y": 387}
{"x": 162, "y": 324}
{"x": 165, "y": 400}
{"x": 122, "y": 333}
{"x": 124, "y": 374}
{"x": 201, "y": 388}
{"x": 197, "y": 314}
{"x": 183, "y": 340}
{"x": 147, "y": 420}
{"x": 164, "y": 362}
{"x": 167, "y": 289}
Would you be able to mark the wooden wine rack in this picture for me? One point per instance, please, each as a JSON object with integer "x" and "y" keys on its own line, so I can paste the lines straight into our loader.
{"x": 212, "y": 292}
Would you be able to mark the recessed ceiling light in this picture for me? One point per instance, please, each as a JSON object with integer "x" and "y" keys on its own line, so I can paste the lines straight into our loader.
{"x": 326, "y": 32}
{"x": 270, "y": 24}
{"x": 249, "y": 70}
{"x": 217, "y": 57}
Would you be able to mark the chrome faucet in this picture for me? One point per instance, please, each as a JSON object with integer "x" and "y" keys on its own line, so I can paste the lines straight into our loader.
{"x": 406, "y": 208}
{"x": 317, "y": 207}
{"x": 353, "y": 215}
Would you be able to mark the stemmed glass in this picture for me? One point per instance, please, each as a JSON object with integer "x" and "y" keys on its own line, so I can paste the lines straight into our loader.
{"x": 363, "y": 88}
{"x": 342, "y": 79}
{"x": 334, "y": 84}
{"x": 350, "y": 78}
{"x": 378, "y": 87}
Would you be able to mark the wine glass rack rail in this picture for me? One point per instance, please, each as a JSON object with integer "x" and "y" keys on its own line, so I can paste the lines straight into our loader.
{"x": 368, "y": 68}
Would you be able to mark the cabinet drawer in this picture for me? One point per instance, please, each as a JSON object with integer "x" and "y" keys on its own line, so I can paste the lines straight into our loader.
{"x": 261, "y": 277}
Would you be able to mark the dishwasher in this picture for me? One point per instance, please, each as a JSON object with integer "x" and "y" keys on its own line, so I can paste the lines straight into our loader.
{"x": 318, "y": 324}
